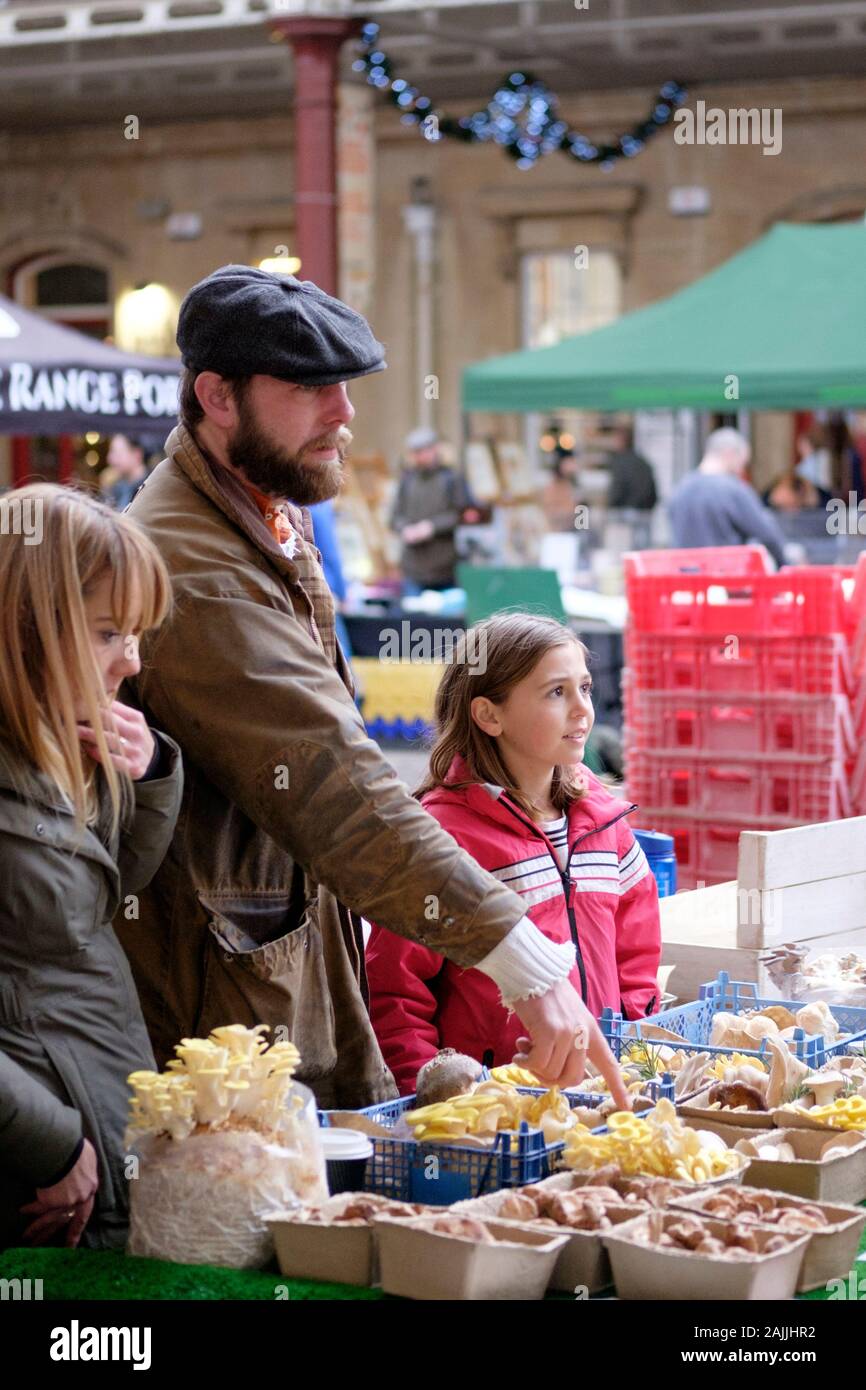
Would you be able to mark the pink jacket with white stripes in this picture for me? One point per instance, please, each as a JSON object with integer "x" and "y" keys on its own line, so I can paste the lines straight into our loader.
{"x": 605, "y": 901}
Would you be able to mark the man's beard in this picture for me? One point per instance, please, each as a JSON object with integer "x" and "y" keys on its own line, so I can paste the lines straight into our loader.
{"x": 279, "y": 474}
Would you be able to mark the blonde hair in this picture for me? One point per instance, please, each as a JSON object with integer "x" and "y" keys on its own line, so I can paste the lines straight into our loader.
{"x": 47, "y": 664}
{"x": 511, "y": 645}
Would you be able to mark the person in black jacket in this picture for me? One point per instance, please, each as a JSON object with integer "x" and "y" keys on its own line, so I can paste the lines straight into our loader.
{"x": 632, "y": 481}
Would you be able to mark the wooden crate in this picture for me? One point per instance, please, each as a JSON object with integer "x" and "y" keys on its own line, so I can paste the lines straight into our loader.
{"x": 805, "y": 885}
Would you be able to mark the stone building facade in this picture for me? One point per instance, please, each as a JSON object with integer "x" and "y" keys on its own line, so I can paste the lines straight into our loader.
{"x": 91, "y": 194}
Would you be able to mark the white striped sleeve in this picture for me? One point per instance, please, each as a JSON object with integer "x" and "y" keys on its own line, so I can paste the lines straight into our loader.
{"x": 632, "y": 868}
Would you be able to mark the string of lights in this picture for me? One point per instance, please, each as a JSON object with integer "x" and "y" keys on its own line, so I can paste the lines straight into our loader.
{"x": 521, "y": 117}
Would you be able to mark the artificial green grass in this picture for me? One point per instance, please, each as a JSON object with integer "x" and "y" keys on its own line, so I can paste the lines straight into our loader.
{"x": 75, "y": 1275}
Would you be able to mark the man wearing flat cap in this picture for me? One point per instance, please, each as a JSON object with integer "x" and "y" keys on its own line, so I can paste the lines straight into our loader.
{"x": 293, "y": 823}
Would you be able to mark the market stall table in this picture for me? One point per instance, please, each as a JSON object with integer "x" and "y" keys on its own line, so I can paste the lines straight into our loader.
{"x": 94, "y": 1275}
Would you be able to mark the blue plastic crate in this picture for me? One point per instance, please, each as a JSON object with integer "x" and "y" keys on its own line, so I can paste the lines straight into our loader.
{"x": 734, "y": 997}
{"x": 724, "y": 995}
{"x": 411, "y": 1170}
{"x": 691, "y": 1021}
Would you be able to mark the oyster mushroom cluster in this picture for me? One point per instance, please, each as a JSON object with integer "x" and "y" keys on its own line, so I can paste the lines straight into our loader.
{"x": 230, "y": 1079}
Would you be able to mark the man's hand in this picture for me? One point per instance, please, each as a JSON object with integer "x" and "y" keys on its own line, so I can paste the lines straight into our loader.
{"x": 418, "y": 531}
{"x": 562, "y": 1032}
{"x": 68, "y": 1203}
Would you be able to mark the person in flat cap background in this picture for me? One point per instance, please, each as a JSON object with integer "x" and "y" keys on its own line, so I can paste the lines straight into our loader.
{"x": 428, "y": 504}
{"x": 290, "y": 811}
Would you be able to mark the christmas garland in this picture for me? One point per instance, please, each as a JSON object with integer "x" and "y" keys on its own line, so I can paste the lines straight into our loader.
{"x": 521, "y": 116}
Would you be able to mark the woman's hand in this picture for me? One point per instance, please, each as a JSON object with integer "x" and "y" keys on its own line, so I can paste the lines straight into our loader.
{"x": 68, "y": 1203}
{"x": 562, "y": 1033}
{"x": 131, "y": 745}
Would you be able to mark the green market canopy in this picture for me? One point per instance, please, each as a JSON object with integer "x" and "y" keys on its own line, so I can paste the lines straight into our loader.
{"x": 780, "y": 326}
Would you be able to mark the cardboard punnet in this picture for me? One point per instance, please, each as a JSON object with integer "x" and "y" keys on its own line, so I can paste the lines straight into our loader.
{"x": 840, "y": 1179}
{"x": 583, "y": 1259}
{"x": 418, "y": 1263}
{"x": 831, "y": 1250}
{"x": 330, "y": 1253}
{"x": 647, "y": 1272}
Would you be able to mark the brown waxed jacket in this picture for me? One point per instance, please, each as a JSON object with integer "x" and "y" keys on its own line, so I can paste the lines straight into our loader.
{"x": 289, "y": 809}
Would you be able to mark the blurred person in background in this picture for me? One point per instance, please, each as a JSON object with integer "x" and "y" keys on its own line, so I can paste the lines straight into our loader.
{"x": 632, "y": 481}
{"x": 815, "y": 465}
{"x": 559, "y": 494}
{"x": 429, "y": 504}
{"x": 846, "y": 463}
{"x": 716, "y": 505}
{"x": 791, "y": 492}
{"x": 126, "y": 458}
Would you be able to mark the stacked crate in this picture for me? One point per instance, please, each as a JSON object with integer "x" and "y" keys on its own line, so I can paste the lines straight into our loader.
{"x": 738, "y": 693}
{"x": 858, "y": 669}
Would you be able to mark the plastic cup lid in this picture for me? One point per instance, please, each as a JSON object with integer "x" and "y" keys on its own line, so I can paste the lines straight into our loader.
{"x": 345, "y": 1144}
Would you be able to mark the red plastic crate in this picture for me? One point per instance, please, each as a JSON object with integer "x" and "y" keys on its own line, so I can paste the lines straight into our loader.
{"x": 704, "y": 878}
{"x": 853, "y": 593}
{"x": 791, "y": 726}
{"x": 769, "y": 665}
{"x": 760, "y": 788}
{"x": 858, "y": 783}
{"x": 707, "y": 849}
{"x": 858, "y": 615}
{"x": 703, "y": 858}
{"x": 858, "y": 714}
{"x": 719, "y": 852}
{"x": 796, "y": 602}
{"x": 708, "y": 559}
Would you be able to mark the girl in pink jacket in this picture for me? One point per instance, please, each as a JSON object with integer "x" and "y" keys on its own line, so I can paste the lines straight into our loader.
{"x": 513, "y": 713}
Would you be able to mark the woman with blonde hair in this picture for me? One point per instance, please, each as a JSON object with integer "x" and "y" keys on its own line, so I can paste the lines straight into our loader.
{"x": 89, "y": 796}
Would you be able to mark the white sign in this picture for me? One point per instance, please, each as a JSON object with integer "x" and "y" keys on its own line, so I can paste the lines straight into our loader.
{"x": 48, "y": 390}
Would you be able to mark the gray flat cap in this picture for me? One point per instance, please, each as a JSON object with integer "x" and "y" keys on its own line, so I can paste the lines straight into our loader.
{"x": 240, "y": 321}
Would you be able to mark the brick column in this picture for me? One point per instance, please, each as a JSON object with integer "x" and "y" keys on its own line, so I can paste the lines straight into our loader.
{"x": 356, "y": 160}
{"x": 316, "y": 44}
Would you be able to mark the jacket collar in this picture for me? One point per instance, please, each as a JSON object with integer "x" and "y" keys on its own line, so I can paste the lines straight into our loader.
{"x": 229, "y": 495}
{"x": 593, "y": 811}
{"x": 41, "y": 793}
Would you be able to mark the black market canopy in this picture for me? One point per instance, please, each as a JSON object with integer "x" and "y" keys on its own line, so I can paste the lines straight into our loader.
{"x": 780, "y": 326}
{"x": 56, "y": 381}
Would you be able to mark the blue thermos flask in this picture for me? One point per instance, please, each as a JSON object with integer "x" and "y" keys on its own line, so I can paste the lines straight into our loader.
{"x": 659, "y": 850}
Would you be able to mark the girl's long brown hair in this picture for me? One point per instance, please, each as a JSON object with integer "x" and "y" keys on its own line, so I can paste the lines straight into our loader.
{"x": 47, "y": 664}
{"x": 489, "y": 660}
